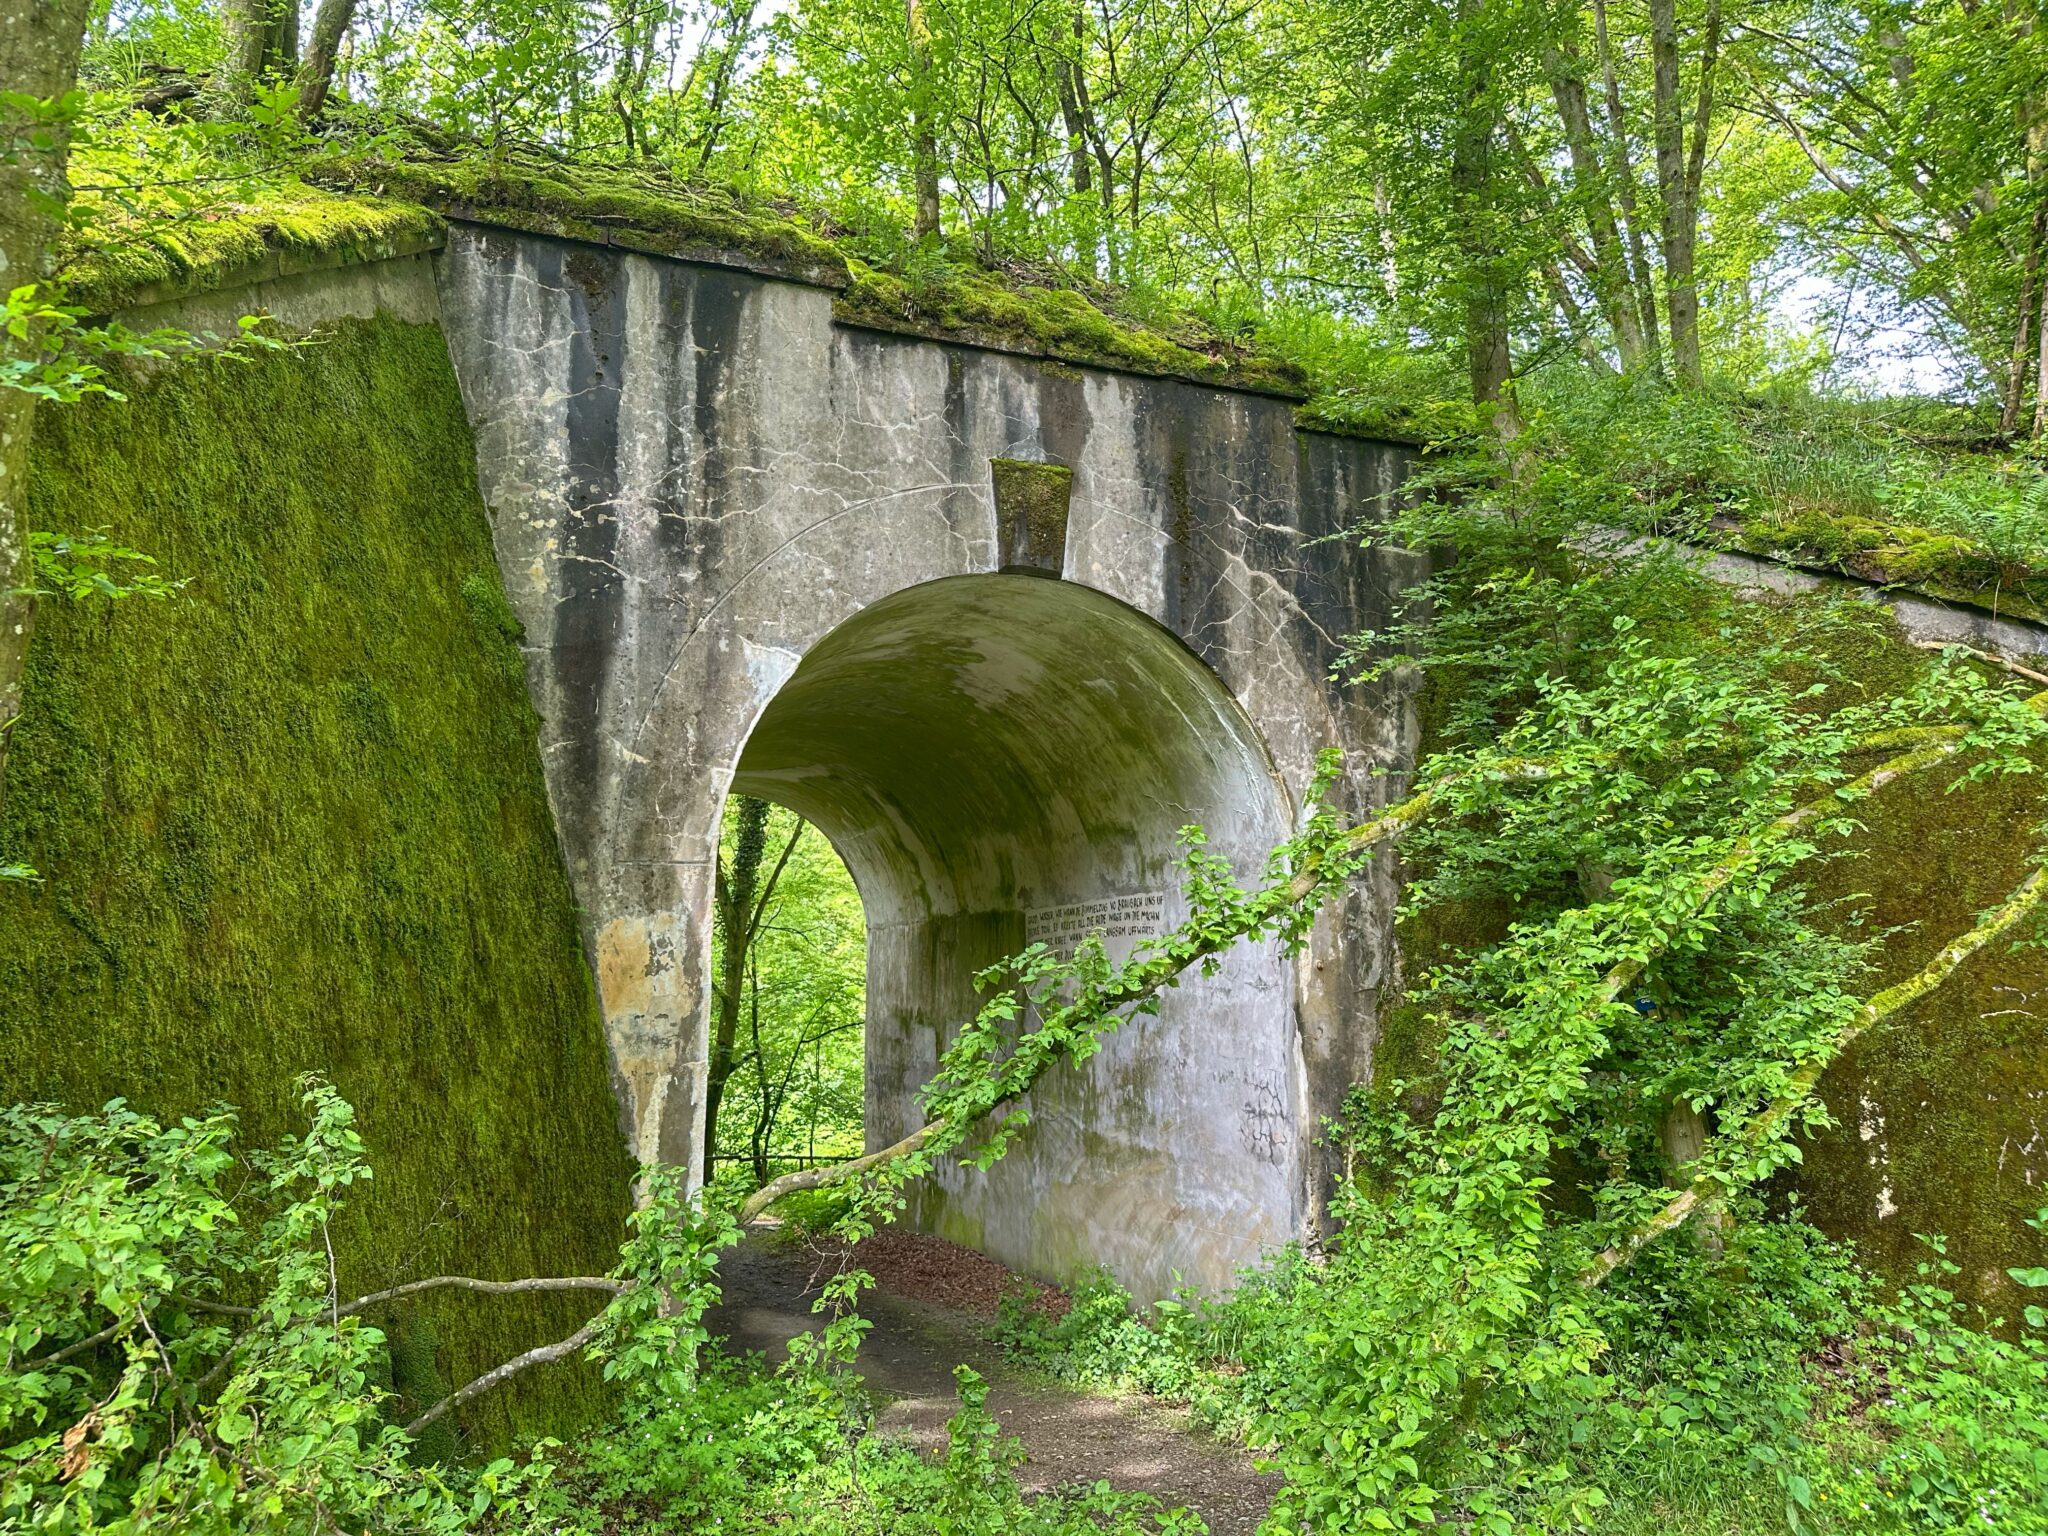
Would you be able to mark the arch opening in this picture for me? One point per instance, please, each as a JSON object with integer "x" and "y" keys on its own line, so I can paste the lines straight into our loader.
{"x": 1001, "y": 759}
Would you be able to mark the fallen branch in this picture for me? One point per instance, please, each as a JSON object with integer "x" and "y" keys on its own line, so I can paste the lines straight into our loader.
{"x": 1689, "y": 1201}
{"x": 91, "y": 1341}
{"x": 219, "y": 1308}
{"x": 544, "y": 1355}
{"x": 1991, "y": 657}
{"x": 1929, "y": 745}
{"x": 1942, "y": 743}
{"x": 487, "y": 1287}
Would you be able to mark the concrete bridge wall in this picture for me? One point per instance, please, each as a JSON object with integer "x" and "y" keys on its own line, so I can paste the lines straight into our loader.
{"x": 753, "y": 548}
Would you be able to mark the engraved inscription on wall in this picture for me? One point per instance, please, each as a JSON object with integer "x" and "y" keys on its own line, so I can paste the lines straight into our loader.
{"x": 1140, "y": 915}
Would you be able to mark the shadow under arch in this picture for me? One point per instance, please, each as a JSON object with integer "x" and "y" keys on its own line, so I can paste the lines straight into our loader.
{"x": 1004, "y": 758}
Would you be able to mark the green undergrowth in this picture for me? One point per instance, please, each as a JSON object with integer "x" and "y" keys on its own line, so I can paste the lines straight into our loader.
{"x": 795, "y": 1449}
{"x": 1767, "y": 1388}
{"x": 1932, "y": 1112}
{"x": 1898, "y": 493}
{"x": 1944, "y": 563}
{"x": 292, "y": 819}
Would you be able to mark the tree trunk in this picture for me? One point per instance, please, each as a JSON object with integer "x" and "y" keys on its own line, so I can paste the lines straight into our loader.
{"x": 764, "y": 1118}
{"x": 1611, "y": 275}
{"x": 1573, "y": 318}
{"x": 2016, "y": 377}
{"x": 323, "y": 48}
{"x": 2041, "y": 365}
{"x": 251, "y": 35}
{"x": 1472, "y": 172}
{"x": 924, "y": 151}
{"x": 1621, "y": 172}
{"x": 740, "y": 23}
{"x": 40, "y": 41}
{"x": 1681, "y": 216}
{"x": 285, "y": 37}
{"x": 734, "y": 909}
{"x": 1066, "y": 79}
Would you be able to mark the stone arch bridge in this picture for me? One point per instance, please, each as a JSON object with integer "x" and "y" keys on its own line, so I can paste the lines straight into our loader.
{"x": 1000, "y": 627}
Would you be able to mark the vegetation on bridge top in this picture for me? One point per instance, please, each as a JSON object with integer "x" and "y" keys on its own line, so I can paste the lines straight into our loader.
{"x": 124, "y": 264}
{"x": 368, "y": 209}
{"x": 936, "y": 290}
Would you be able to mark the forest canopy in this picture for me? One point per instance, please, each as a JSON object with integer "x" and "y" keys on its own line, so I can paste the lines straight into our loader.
{"x": 1805, "y": 193}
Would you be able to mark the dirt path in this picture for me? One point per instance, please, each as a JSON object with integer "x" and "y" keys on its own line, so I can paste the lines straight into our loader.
{"x": 1071, "y": 1437}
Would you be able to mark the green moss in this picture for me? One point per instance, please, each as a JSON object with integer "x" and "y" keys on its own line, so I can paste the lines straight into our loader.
{"x": 1940, "y": 1115}
{"x": 635, "y": 210}
{"x": 1386, "y": 420}
{"x": 293, "y": 819}
{"x": 302, "y": 230}
{"x": 1953, "y": 1093}
{"x": 1944, "y": 565}
{"x": 643, "y": 210}
{"x": 981, "y": 307}
{"x": 1034, "y": 500}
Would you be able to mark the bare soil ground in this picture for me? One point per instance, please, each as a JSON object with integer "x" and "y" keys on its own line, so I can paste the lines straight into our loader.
{"x": 930, "y": 1312}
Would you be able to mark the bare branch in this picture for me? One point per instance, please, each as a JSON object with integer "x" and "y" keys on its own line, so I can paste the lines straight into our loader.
{"x": 488, "y": 1287}
{"x": 91, "y": 1341}
{"x": 1992, "y": 657}
{"x": 544, "y": 1355}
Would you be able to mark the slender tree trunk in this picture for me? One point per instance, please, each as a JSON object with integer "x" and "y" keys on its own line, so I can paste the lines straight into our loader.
{"x": 252, "y": 35}
{"x": 1675, "y": 182}
{"x": 1622, "y": 172}
{"x": 2041, "y": 365}
{"x": 285, "y": 37}
{"x": 735, "y": 898}
{"x": 40, "y": 41}
{"x": 1383, "y": 210}
{"x": 764, "y": 1118}
{"x": 1066, "y": 80}
{"x": 741, "y": 24}
{"x": 924, "y": 151}
{"x": 1572, "y": 316}
{"x": 1472, "y": 172}
{"x": 1611, "y": 275}
{"x": 316, "y": 72}
{"x": 2016, "y": 376}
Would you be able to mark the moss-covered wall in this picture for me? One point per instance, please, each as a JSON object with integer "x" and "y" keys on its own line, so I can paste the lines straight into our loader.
{"x": 1942, "y": 1114}
{"x": 293, "y": 819}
